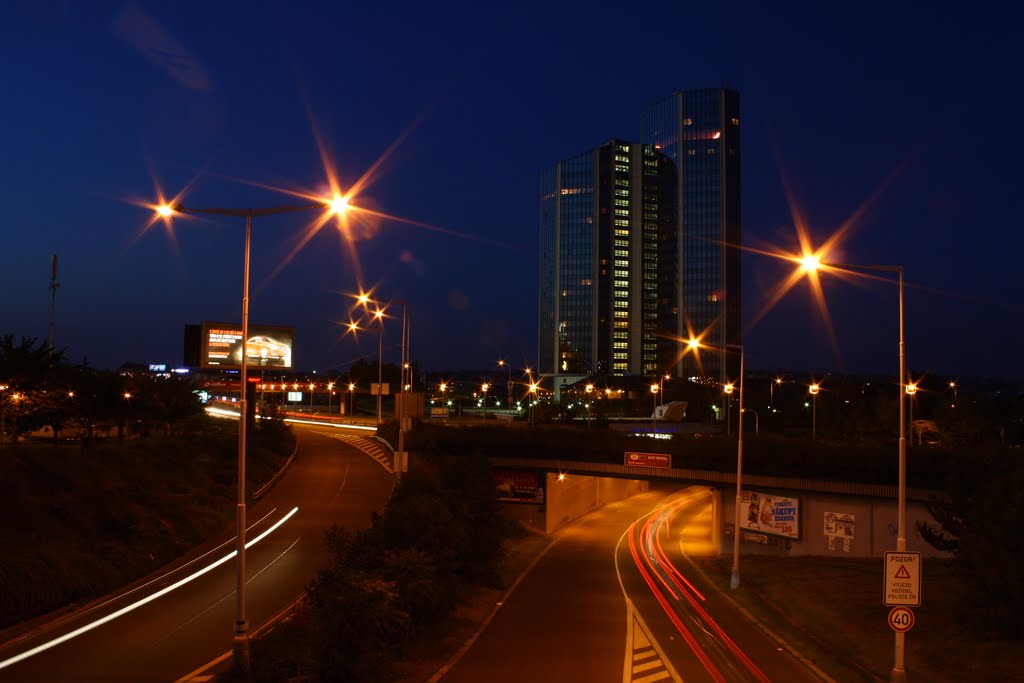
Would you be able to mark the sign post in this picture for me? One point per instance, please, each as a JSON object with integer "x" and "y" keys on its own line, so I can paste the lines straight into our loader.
{"x": 902, "y": 589}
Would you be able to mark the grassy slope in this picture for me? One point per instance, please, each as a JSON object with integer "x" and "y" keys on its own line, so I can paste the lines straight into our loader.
{"x": 76, "y": 524}
{"x": 831, "y": 610}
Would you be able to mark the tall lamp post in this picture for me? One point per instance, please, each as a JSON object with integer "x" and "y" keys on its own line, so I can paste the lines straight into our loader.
{"x": 661, "y": 389}
{"x": 589, "y": 390}
{"x": 911, "y": 390}
{"x": 338, "y": 205}
{"x": 727, "y": 390}
{"x": 898, "y": 673}
{"x": 734, "y": 579}
{"x": 813, "y": 390}
{"x": 654, "y": 400}
{"x": 771, "y": 390}
{"x": 503, "y": 364}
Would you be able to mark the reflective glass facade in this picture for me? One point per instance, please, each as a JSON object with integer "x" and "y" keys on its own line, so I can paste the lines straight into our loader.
{"x": 600, "y": 225}
{"x": 698, "y": 131}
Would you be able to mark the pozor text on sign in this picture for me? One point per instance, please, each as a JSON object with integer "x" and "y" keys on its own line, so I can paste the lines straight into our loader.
{"x": 902, "y": 579}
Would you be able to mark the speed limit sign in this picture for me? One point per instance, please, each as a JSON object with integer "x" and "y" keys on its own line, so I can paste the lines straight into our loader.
{"x": 901, "y": 619}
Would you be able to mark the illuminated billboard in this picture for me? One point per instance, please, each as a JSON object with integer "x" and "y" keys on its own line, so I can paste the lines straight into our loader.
{"x": 268, "y": 346}
{"x": 770, "y": 514}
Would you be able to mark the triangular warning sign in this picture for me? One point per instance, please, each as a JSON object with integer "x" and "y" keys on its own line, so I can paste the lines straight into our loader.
{"x": 902, "y": 572}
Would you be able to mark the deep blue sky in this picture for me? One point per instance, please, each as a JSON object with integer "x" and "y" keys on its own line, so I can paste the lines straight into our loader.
{"x": 101, "y": 97}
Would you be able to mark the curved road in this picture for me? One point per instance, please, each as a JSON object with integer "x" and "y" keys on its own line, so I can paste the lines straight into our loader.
{"x": 337, "y": 476}
{"x": 614, "y": 600}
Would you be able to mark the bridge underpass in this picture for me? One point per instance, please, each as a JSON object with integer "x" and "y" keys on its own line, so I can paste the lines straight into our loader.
{"x": 839, "y": 518}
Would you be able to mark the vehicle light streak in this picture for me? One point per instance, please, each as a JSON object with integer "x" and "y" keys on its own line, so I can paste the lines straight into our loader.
{"x": 223, "y": 412}
{"x": 135, "y": 605}
{"x": 655, "y": 560}
{"x": 672, "y": 615}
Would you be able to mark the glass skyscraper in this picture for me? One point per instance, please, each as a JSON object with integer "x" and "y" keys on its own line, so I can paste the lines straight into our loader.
{"x": 600, "y": 224}
{"x": 637, "y": 247}
{"x": 699, "y": 132}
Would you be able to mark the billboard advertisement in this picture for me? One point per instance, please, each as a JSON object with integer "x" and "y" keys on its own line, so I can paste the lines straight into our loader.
{"x": 268, "y": 346}
{"x": 519, "y": 486}
{"x": 770, "y": 514}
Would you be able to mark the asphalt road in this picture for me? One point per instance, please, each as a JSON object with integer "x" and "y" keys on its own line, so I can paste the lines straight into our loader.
{"x": 331, "y": 480}
{"x": 586, "y": 612}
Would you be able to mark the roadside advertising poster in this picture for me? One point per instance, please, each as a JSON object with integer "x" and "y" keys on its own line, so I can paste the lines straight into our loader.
{"x": 770, "y": 514}
{"x": 268, "y": 346}
{"x": 519, "y": 486}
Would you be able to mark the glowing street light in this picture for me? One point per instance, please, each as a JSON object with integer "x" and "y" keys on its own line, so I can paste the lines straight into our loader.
{"x": 533, "y": 399}
{"x": 654, "y": 398}
{"x": 813, "y": 390}
{"x": 166, "y": 212}
{"x": 771, "y": 389}
{"x": 811, "y": 265}
{"x": 911, "y": 390}
{"x": 503, "y": 364}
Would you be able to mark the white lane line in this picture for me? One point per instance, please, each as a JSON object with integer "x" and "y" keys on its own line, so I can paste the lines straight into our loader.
{"x": 135, "y": 605}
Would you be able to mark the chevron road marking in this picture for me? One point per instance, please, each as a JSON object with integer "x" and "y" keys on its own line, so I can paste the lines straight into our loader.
{"x": 645, "y": 660}
{"x": 369, "y": 446}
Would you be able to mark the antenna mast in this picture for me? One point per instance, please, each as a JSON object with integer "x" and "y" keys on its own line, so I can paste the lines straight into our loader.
{"x": 53, "y": 295}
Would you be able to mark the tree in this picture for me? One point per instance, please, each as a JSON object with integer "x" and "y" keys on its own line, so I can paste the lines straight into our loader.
{"x": 28, "y": 392}
{"x": 979, "y": 524}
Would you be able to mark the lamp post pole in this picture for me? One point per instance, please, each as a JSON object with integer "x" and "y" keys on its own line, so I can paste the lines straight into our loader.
{"x": 734, "y": 579}
{"x": 898, "y": 674}
{"x": 654, "y": 400}
{"x": 240, "y": 649}
{"x": 814, "y": 389}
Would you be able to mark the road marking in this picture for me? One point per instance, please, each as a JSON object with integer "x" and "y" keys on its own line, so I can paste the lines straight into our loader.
{"x": 645, "y": 662}
{"x": 368, "y": 446}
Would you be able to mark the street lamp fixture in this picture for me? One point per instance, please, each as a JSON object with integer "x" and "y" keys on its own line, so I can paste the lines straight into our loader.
{"x": 810, "y": 264}
{"x": 654, "y": 399}
{"x": 167, "y": 211}
{"x": 813, "y": 390}
{"x": 694, "y": 345}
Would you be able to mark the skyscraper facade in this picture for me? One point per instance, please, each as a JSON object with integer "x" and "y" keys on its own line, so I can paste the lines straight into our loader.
{"x": 635, "y": 247}
{"x": 699, "y": 132}
{"x": 600, "y": 224}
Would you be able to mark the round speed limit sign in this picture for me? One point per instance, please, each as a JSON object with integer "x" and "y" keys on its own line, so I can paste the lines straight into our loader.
{"x": 901, "y": 619}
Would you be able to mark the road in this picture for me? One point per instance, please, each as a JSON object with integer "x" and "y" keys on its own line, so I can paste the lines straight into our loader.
{"x": 614, "y": 600}
{"x": 334, "y": 478}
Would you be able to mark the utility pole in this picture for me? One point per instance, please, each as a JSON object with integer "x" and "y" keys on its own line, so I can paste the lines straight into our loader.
{"x": 53, "y": 295}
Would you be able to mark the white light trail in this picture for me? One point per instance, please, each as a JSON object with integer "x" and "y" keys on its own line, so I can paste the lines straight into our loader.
{"x": 135, "y": 605}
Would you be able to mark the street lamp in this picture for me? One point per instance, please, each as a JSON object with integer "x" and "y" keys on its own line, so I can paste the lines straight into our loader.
{"x": 533, "y": 399}
{"x": 911, "y": 390}
{"x": 654, "y": 399}
{"x": 352, "y": 399}
{"x": 338, "y": 206}
{"x": 589, "y": 390}
{"x": 728, "y": 389}
{"x": 771, "y": 389}
{"x": 661, "y": 389}
{"x": 811, "y": 264}
{"x": 503, "y": 364}
{"x": 734, "y": 579}
{"x": 814, "y": 389}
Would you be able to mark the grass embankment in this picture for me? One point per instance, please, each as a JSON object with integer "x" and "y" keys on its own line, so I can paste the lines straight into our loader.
{"x": 77, "y": 523}
{"x": 831, "y": 611}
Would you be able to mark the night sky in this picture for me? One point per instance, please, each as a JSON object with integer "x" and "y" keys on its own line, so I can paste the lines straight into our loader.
{"x": 907, "y": 119}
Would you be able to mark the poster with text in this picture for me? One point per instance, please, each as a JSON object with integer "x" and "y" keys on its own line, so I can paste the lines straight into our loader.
{"x": 769, "y": 513}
